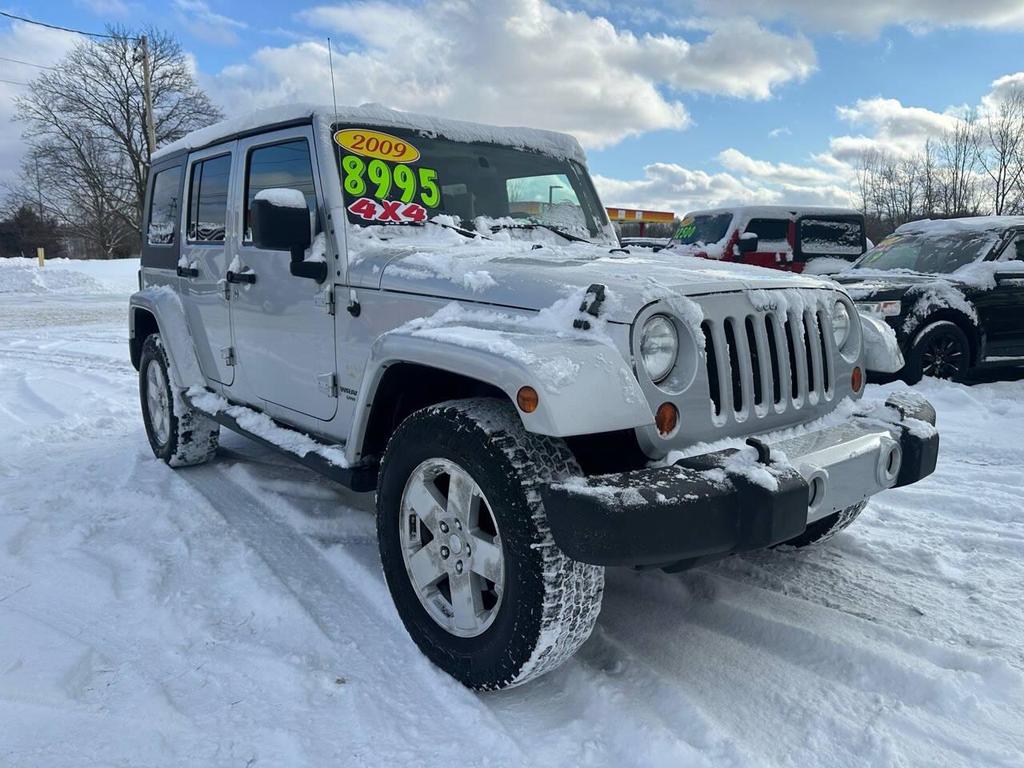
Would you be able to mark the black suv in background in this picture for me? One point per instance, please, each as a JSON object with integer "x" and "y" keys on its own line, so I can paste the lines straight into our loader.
{"x": 953, "y": 290}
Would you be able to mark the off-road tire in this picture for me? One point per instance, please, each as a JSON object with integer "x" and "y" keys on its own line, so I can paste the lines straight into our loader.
{"x": 824, "y": 529}
{"x": 550, "y": 602}
{"x": 943, "y": 332}
{"x": 192, "y": 437}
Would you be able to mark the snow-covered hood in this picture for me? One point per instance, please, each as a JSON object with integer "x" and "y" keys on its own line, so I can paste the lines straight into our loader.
{"x": 519, "y": 274}
{"x": 892, "y": 284}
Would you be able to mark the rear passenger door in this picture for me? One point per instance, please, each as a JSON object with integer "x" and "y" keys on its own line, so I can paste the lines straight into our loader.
{"x": 204, "y": 260}
{"x": 284, "y": 329}
{"x": 1001, "y": 308}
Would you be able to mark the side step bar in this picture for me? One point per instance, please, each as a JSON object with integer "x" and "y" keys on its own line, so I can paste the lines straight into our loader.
{"x": 360, "y": 478}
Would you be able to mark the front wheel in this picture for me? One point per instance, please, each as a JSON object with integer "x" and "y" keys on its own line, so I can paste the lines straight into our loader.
{"x": 827, "y": 527}
{"x": 942, "y": 352}
{"x": 479, "y": 583}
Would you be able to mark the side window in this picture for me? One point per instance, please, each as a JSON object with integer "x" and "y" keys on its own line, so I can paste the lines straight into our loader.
{"x": 208, "y": 200}
{"x": 1018, "y": 247}
{"x": 164, "y": 207}
{"x": 286, "y": 165}
{"x": 771, "y": 232}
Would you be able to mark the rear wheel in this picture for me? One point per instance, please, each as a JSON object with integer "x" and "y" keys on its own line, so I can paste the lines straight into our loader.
{"x": 178, "y": 434}
{"x": 942, "y": 352}
{"x": 479, "y": 583}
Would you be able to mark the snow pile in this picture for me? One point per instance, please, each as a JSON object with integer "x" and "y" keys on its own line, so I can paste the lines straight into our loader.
{"x": 558, "y": 145}
{"x": 68, "y": 276}
{"x": 282, "y": 197}
{"x": 940, "y": 294}
{"x": 263, "y": 426}
{"x": 516, "y": 337}
{"x": 826, "y": 265}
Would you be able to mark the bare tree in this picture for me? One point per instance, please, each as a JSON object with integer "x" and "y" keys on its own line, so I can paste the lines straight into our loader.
{"x": 86, "y": 131}
{"x": 958, "y": 154}
{"x": 1001, "y": 152}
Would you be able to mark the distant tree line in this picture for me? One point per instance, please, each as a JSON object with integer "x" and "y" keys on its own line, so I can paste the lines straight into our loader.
{"x": 974, "y": 168}
{"x": 88, "y": 148}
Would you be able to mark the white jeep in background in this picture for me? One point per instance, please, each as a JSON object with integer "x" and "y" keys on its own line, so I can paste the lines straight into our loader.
{"x": 439, "y": 311}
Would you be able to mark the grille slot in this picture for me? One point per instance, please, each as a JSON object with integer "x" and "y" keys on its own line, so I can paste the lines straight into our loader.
{"x": 768, "y": 361}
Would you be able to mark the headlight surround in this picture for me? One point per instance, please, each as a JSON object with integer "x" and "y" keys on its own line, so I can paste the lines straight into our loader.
{"x": 841, "y": 321}
{"x": 659, "y": 347}
{"x": 880, "y": 308}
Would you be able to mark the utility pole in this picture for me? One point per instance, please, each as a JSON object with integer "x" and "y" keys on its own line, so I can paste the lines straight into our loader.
{"x": 147, "y": 88}
{"x": 39, "y": 189}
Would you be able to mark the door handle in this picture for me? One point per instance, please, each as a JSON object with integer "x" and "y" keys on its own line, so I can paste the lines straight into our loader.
{"x": 241, "y": 277}
{"x": 187, "y": 272}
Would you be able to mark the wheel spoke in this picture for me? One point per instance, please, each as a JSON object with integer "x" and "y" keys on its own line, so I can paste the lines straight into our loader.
{"x": 425, "y": 500}
{"x": 465, "y": 599}
{"x": 461, "y": 490}
{"x": 486, "y": 559}
{"x": 425, "y": 568}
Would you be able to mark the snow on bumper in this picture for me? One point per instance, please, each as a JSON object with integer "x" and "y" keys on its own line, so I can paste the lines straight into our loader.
{"x": 737, "y": 500}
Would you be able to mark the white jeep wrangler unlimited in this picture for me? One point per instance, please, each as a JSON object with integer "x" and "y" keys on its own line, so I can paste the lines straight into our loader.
{"x": 439, "y": 311}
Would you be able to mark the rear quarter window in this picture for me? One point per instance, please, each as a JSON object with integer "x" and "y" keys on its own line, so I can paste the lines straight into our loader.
{"x": 165, "y": 207}
{"x": 772, "y": 234}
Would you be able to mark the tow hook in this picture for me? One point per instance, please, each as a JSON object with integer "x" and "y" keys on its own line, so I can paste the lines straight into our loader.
{"x": 764, "y": 452}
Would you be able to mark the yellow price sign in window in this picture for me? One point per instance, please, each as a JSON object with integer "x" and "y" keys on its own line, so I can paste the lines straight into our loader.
{"x": 382, "y": 146}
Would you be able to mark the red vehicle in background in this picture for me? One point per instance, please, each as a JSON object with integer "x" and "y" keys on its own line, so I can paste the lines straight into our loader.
{"x": 814, "y": 239}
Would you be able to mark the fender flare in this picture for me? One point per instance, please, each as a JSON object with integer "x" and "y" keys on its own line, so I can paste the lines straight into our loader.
{"x": 881, "y": 347}
{"x": 166, "y": 308}
{"x": 570, "y": 374}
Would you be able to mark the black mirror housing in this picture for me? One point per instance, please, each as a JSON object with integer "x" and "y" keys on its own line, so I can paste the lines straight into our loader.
{"x": 280, "y": 227}
{"x": 747, "y": 243}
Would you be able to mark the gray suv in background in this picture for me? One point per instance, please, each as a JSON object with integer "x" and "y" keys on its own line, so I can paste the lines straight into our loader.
{"x": 439, "y": 311}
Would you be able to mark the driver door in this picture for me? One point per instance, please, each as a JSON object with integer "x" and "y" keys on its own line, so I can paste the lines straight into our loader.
{"x": 283, "y": 328}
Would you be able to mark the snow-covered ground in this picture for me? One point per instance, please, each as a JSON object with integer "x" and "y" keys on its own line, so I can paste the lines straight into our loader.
{"x": 235, "y": 614}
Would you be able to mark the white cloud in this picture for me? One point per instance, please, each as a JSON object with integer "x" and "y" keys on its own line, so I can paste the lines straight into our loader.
{"x": 670, "y": 187}
{"x": 516, "y": 62}
{"x": 206, "y": 24}
{"x": 782, "y": 130}
{"x": 781, "y": 173}
{"x": 868, "y": 17}
{"x": 39, "y": 46}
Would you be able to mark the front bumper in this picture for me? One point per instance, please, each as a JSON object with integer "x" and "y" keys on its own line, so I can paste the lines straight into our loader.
{"x": 711, "y": 505}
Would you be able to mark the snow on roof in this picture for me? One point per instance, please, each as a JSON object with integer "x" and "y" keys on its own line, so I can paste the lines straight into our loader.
{"x": 560, "y": 145}
{"x": 776, "y": 211}
{"x": 970, "y": 224}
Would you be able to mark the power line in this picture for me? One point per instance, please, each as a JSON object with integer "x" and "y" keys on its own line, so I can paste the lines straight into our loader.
{"x": 63, "y": 29}
{"x": 12, "y": 82}
{"x": 26, "y": 63}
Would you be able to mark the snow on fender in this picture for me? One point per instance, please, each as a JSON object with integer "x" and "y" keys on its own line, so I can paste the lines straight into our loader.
{"x": 881, "y": 349}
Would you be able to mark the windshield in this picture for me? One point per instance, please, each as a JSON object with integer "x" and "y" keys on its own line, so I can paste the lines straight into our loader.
{"x": 924, "y": 252}
{"x": 703, "y": 229}
{"x": 402, "y": 177}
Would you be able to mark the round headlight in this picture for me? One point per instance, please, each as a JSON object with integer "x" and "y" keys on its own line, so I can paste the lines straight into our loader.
{"x": 840, "y": 324}
{"x": 659, "y": 345}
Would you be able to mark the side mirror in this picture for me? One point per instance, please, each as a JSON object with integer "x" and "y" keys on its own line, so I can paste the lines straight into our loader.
{"x": 747, "y": 243}
{"x": 280, "y": 222}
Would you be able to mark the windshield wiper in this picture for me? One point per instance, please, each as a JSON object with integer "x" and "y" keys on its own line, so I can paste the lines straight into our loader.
{"x": 462, "y": 231}
{"x": 539, "y": 224}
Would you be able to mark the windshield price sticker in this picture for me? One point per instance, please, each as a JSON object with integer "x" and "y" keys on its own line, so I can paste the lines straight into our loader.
{"x": 686, "y": 231}
{"x": 388, "y": 211}
{"x": 382, "y": 146}
{"x": 382, "y": 180}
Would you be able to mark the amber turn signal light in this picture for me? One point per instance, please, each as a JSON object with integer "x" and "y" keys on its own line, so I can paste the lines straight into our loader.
{"x": 857, "y": 379}
{"x": 666, "y": 418}
{"x": 527, "y": 399}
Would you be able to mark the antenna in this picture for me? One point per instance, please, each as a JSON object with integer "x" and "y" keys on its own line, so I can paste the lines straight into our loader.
{"x": 353, "y": 302}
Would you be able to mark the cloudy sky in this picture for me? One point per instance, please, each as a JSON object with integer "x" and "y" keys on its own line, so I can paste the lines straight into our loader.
{"x": 680, "y": 103}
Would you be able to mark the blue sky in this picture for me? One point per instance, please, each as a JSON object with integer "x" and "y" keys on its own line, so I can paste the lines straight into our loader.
{"x": 680, "y": 103}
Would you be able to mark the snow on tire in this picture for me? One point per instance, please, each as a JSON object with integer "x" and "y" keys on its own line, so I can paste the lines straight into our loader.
{"x": 178, "y": 433}
{"x": 547, "y": 604}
